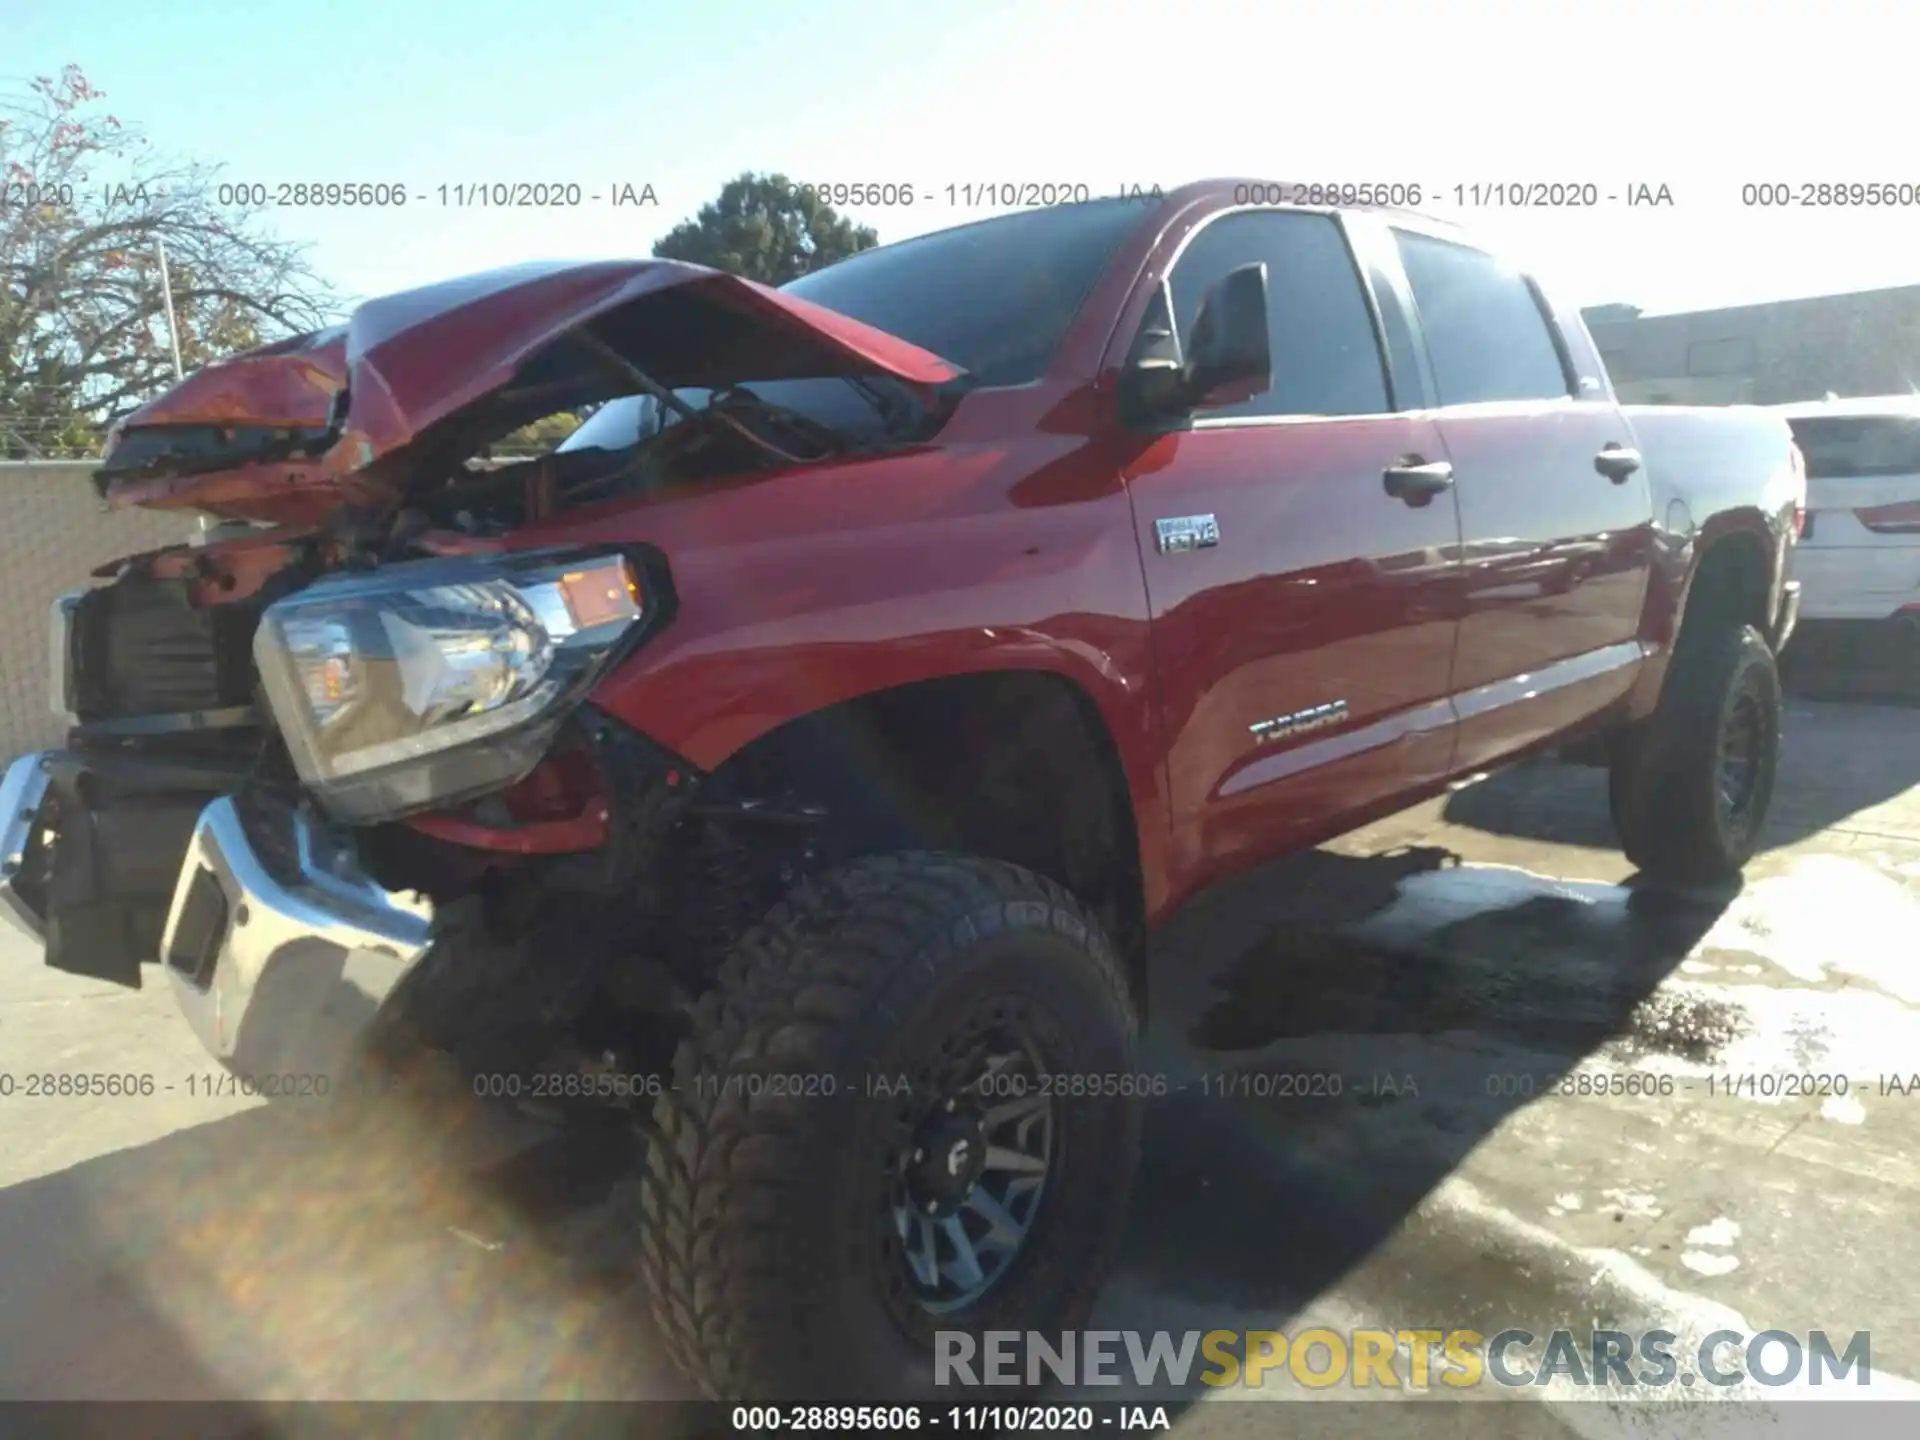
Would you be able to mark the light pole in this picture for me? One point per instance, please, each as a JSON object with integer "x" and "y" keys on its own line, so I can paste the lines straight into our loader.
{"x": 166, "y": 294}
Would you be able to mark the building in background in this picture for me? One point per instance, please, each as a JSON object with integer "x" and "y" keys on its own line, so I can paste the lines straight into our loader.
{"x": 1864, "y": 343}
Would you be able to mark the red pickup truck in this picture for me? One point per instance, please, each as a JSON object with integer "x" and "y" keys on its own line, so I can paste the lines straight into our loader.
{"x": 800, "y": 755}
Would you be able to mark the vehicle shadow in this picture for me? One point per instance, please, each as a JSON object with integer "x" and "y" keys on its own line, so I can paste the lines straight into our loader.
{"x": 1874, "y": 664}
{"x": 1340, "y": 1032}
{"x": 1837, "y": 763}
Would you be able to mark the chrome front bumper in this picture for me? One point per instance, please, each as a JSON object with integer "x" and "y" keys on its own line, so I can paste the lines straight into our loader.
{"x": 281, "y": 951}
{"x": 23, "y": 789}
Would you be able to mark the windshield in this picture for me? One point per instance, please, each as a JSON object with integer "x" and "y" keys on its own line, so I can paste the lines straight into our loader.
{"x": 830, "y": 401}
{"x": 995, "y": 297}
{"x": 625, "y": 422}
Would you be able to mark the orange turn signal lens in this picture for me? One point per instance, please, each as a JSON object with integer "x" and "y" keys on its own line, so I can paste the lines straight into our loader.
{"x": 335, "y": 675}
{"x": 601, "y": 594}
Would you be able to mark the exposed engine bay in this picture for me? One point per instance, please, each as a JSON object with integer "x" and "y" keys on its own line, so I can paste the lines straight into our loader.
{"x": 353, "y": 718}
{"x": 161, "y": 690}
{"x": 169, "y": 706}
{"x": 736, "y": 432}
{"x": 664, "y": 444}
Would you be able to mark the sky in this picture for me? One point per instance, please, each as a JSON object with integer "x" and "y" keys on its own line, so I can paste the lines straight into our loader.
{"x": 1698, "y": 96}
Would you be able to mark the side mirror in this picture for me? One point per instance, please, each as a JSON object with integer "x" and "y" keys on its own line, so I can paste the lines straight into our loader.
{"x": 1229, "y": 359}
{"x": 1154, "y": 382}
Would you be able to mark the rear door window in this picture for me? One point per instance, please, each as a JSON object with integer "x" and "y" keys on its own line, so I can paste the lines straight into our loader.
{"x": 1487, "y": 338}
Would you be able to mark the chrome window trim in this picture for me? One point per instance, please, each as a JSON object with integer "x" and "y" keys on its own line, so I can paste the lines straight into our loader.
{"x": 1354, "y": 259}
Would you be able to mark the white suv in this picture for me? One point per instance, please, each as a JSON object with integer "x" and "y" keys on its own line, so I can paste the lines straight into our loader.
{"x": 1859, "y": 557}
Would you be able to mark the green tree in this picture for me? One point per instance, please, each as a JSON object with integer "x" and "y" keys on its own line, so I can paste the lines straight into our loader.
{"x": 83, "y": 329}
{"x": 765, "y": 228}
{"x": 539, "y": 437}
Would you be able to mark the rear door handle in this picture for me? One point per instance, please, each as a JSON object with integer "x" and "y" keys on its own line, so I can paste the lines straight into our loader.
{"x": 1616, "y": 462}
{"x": 1417, "y": 481}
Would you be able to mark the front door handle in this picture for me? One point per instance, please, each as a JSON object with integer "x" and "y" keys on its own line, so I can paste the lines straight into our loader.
{"x": 1616, "y": 462}
{"x": 1417, "y": 481}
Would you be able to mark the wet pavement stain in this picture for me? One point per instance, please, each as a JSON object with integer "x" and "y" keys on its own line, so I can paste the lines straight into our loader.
{"x": 1517, "y": 960}
{"x": 1828, "y": 921}
{"x": 1684, "y": 1023}
{"x": 1302, "y": 984}
{"x": 1409, "y": 965}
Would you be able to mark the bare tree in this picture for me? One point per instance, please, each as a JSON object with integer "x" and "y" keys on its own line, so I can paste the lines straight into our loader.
{"x": 83, "y": 330}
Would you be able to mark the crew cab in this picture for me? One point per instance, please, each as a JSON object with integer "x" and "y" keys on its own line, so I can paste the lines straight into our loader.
{"x": 801, "y": 754}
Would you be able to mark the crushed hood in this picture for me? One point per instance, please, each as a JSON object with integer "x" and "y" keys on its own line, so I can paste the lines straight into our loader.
{"x": 287, "y": 432}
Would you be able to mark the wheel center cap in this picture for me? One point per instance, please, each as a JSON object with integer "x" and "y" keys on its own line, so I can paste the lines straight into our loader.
{"x": 946, "y": 1163}
{"x": 957, "y": 1156}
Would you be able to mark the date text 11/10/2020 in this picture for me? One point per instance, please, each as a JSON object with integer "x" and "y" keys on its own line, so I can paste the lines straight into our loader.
{"x": 823, "y": 1086}
{"x": 563, "y": 193}
{"x": 606, "y": 1085}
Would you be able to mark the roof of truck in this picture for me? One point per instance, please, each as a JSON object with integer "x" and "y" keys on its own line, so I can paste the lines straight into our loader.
{"x": 1231, "y": 188}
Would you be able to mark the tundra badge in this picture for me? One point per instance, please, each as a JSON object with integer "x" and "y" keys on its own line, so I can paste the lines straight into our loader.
{"x": 1186, "y": 532}
{"x": 1299, "y": 722}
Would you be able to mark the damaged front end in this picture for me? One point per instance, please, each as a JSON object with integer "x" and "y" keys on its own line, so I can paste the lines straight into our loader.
{"x": 289, "y": 954}
{"x": 339, "y": 771}
{"x": 388, "y": 776}
{"x": 159, "y": 695}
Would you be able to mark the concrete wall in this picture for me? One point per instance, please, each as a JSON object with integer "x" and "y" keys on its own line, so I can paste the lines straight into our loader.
{"x": 1862, "y": 343}
{"x": 1688, "y": 390}
{"x": 53, "y": 531}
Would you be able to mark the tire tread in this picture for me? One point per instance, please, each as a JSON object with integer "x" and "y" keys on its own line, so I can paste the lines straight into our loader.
{"x": 1659, "y": 786}
{"x": 725, "y": 1289}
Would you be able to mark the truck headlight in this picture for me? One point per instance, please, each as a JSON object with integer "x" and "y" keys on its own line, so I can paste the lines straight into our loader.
{"x": 430, "y": 682}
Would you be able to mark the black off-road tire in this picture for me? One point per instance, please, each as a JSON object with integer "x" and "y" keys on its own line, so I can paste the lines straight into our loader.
{"x": 1665, "y": 785}
{"x": 763, "y": 1231}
